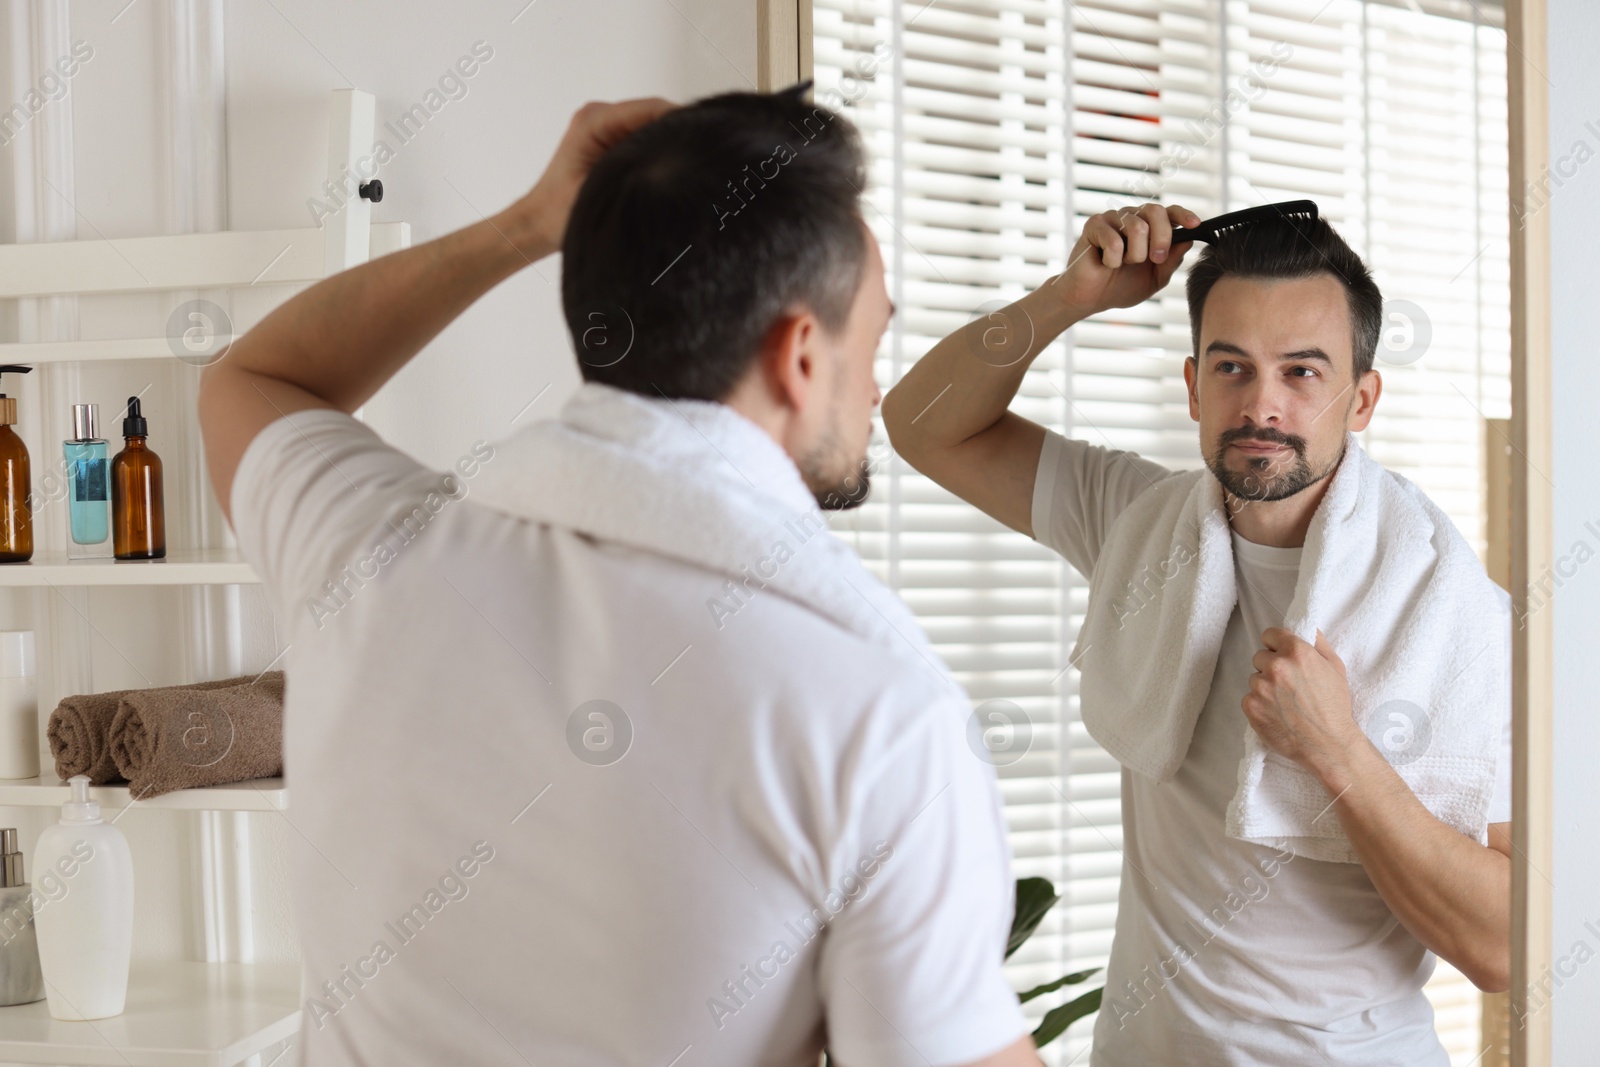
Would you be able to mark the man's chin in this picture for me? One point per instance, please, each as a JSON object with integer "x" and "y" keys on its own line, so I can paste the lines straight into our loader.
{"x": 842, "y": 492}
{"x": 846, "y": 494}
{"x": 1282, "y": 479}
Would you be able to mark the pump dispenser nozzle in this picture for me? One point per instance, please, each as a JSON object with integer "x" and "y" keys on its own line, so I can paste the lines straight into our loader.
{"x": 13, "y": 368}
{"x": 8, "y": 404}
{"x": 80, "y": 808}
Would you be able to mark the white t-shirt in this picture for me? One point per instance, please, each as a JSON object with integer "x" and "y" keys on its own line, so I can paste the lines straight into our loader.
{"x": 1227, "y": 953}
{"x": 764, "y": 836}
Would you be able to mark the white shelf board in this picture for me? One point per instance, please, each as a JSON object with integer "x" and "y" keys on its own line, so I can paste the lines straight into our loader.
{"x": 227, "y": 259}
{"x": 211, "y": 260}
{"x": 35, "y": 352}
{"x": 204, "y": 567}
{"x": 258, "y": 794}
{"x": 182, "y": 261}
{"x": 178, "y": 1014}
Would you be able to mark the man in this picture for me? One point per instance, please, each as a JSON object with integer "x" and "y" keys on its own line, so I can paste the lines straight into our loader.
{"x": 1310, "y": 960}
{"x": 605, "y": 749}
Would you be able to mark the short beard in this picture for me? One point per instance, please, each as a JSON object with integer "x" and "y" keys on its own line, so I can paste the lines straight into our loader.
{"x": 834, "y": 491}
{"x": 1261, "y": 483}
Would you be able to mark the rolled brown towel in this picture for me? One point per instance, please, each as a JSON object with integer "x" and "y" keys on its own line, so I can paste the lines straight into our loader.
{"x": 167, "y": 739}
{"x": 80, "y": 728}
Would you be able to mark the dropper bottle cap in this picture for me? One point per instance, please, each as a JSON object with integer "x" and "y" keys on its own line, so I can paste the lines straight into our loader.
{"x": 134, "y": 425}
{"x": 80, "y": 809}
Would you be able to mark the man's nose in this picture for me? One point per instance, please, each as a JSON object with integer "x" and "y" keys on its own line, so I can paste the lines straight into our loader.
{"x": 1262, "y": 404}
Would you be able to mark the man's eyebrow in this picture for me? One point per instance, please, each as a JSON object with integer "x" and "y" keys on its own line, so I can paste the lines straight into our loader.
{"x": 1312, "y": 353}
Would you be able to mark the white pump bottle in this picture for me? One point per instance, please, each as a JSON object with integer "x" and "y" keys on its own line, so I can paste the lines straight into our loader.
{"x": 85, "y": 934}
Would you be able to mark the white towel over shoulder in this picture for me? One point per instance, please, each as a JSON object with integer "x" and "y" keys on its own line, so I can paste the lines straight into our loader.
{"x": 1425, "y": 636}
{"x": 678, "y": 478}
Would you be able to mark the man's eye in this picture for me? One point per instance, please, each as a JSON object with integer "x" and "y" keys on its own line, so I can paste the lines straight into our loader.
{"x": 1310, "y": 371}
{"x": 1225, "y": 364}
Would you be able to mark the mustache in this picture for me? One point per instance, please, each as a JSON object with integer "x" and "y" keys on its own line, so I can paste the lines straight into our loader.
{"x": 1264, "y": 434}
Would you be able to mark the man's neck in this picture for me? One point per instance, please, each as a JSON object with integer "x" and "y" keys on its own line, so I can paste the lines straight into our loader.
{"x": 1276, "y": 523}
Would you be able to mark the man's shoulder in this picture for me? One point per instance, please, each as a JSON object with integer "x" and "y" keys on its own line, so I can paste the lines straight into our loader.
{"x": 792, "y": 639}
{"x": 753, "y": 637}
{"x": 1165, "y": 495}
{"x": 1440, "y": 526}
{"x": 1108, "y": 457}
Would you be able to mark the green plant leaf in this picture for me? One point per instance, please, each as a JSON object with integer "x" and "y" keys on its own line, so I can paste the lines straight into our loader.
{"x": 1035, "y": 897}
{"x": 1056, "y": 1020}
{"x": 1051, "y": 987}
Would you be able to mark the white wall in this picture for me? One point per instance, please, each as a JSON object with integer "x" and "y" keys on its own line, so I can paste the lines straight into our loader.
{"x": 1574, "y": 80}
{"x": 472, "y": 158}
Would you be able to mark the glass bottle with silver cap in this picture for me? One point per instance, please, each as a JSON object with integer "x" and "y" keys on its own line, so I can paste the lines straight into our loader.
{"x": 88, "y": 477}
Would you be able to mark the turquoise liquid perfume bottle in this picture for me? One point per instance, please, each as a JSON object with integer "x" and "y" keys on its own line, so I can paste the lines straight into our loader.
{"x": 88, "y": 484}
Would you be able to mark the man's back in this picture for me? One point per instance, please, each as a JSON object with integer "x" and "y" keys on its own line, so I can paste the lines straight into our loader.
{"x": 553, "y": 807}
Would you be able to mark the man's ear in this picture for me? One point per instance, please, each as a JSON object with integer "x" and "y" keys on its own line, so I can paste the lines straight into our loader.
{"x": 1365, "y": 402}
{"x": 789, "y": 357}
{"x": 1191, "y": 377}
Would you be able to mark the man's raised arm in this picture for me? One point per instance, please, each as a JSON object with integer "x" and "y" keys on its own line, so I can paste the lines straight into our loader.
{"x": 948, "y": 414}
{"x": 336, "y": 343}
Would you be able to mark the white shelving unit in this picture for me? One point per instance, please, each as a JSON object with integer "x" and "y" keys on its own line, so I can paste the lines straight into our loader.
{"x": 178, "y": 1013}
{"x": 231, "y": 259}
{"x": 198, "y": 567}
{"x": 258, "y": 794}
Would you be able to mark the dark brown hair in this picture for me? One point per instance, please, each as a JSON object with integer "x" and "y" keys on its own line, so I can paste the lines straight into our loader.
{"x": 691, "y": 238}
{"x": 1293, "y": 248}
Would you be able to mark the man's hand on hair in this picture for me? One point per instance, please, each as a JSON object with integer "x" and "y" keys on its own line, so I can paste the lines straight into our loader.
{"x": 540, "y": 218}
{"x": 1123, "y": 257}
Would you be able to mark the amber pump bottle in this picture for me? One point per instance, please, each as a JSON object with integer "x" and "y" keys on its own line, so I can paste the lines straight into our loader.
{"x": 138, "y": 522}
{"x": 16, "y": 483}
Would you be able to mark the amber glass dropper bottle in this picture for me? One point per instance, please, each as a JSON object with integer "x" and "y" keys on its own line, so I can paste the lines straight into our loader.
{"x": 16, "y": 483}
{"x": 138, "y": 522}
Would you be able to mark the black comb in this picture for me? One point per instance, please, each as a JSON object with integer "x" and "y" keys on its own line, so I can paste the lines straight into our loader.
{"x": 1234, "y": 221}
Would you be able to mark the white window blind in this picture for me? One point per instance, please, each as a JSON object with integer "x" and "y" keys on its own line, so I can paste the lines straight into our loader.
{"x": 995, "y": 129}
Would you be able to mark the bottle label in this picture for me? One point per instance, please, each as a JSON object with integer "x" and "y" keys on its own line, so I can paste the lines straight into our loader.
{"x": 89, "y": 479}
